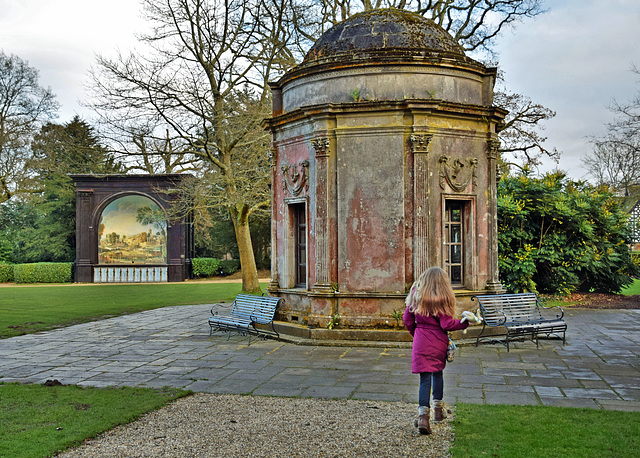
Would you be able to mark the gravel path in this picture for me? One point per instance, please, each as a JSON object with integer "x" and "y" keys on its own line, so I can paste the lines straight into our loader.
{"x": 205, "y": 425}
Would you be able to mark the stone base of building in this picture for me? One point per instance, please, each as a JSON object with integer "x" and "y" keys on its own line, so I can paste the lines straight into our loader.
{"x": 399, "y": 337}
{"x": 354, "y": 310}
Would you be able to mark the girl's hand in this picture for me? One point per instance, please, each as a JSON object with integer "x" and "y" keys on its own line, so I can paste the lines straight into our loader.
{"x": 470, "y": 317}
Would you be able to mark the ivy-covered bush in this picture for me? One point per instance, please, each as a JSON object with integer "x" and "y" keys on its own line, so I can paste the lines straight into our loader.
{"x": 556, "y": 236}
{"x": 43, "y": 272}
{"x": 205, "y": 267}
{"x": 6, "y": 272}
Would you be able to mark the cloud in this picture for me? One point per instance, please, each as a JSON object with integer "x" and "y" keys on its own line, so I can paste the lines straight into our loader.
{"x": 574, "y": 60}
{"x": 120, "y": 215}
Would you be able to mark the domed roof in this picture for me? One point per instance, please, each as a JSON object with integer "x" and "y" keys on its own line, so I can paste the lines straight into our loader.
{"x": 386, "y": 32}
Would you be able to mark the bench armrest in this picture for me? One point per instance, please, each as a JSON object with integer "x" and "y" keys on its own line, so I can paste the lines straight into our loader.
{"x": 559, "y": 315}
{"x": 504, "y": 317}
{"x": 217, "y": 308}
{"x": 484, "y": 314}
{"x": 259, "y": 320}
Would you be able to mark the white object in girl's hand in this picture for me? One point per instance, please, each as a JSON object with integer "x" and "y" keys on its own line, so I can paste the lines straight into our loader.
{"x": 470, "y": 317}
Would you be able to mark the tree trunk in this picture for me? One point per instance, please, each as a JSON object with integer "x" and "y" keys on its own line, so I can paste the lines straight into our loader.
{"x": 250, "y": 282}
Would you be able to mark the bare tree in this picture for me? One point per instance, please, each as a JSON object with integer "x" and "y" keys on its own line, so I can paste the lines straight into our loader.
{"x": 202, "y": 85}
{"x": 522, "y": 144}
{"x": 24, "y": 107}
{"x": 615, "y": 162}
{"x": 615, "y": 159}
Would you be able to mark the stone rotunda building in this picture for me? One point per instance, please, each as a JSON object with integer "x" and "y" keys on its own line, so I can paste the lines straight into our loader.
{"x": 384, "y": 149}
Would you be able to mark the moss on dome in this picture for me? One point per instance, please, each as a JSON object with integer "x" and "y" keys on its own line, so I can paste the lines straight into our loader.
{"x": 384, "y": 32}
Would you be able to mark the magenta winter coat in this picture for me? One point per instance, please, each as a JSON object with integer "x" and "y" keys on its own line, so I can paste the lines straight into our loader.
{"x": 430, "y": 339}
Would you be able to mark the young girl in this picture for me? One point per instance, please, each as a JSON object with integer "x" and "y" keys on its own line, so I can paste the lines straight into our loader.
{"x": 428, "y": 317}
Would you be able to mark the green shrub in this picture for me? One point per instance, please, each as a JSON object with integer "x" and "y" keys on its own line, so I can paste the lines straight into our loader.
{"x": 6, "y": 272}
{"x": 556, "y": 236}
{"x": 205, "y": 267}
{"x": 43, "y": 272}
{"x": 228, "y": 267}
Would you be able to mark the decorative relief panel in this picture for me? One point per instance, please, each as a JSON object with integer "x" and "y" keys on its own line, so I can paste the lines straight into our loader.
{"x": 295, "y": 178}
{"x": 458, "y": 173}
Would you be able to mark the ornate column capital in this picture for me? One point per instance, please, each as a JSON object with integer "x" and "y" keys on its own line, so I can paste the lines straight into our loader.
{"x": 493, "y": 146}
{"x": 273, "y": 155}
{"x": 320, "y": 146}
{"x": 84, "y": 193}
{"x": 420, "y": 143}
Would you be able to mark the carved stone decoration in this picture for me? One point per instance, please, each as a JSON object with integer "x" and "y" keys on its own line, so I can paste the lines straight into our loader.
{"x": 321, "y": 146}
{"x": 85, "y": 198}
{"x": 295, "y": 178}
{"x": 273, "y": 155}
{"x": 492, "y": 148}
{"x": 458, "y": 173}
{"x": 420, "y": 142}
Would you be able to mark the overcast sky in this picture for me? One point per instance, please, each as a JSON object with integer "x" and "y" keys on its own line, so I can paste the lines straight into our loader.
{"x": 574, "y": 59}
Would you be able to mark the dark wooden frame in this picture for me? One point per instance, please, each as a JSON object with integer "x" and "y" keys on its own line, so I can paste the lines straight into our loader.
{"x": 94, "y": 193}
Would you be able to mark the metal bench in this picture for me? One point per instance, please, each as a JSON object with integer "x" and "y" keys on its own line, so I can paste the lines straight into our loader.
{"x": 521, "y": 315}
{"x": 247, "y": 311}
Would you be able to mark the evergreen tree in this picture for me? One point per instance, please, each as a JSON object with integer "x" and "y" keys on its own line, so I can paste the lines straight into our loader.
{"x": 57, "y": 151}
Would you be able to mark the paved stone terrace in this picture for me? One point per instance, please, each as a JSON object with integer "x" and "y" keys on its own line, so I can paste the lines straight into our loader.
{"x": 599, "y": 367}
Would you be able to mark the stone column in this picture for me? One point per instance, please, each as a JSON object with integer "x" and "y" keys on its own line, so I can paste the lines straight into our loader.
{"x": 420, "y": 149}
{"x": 321, "y": 227}
{"x": 274, "y": 284}
{"x": 493, "y": 282}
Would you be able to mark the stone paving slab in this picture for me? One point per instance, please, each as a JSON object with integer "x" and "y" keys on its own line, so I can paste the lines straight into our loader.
{"x": 599, "y": 367}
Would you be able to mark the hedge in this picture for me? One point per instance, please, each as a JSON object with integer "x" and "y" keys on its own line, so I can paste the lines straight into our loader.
{"x": 43, "y": 272}
{"x": 205, "y": 267}
{"x": 212, "y": 267}
{"x": 6, "y": 272}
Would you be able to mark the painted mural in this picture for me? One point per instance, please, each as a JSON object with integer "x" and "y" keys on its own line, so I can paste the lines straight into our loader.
{"x": 133, "y": 230}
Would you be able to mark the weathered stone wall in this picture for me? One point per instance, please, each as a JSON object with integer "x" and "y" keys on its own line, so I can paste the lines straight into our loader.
{"x": 382, "y": 140}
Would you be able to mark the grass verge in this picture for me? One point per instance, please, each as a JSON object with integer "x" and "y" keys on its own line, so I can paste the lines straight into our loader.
{"x": 38, "y": 421}
{"x": 28, "y": 309}
{"x": 632, "y": 289}
{"x": 541, "y": 431}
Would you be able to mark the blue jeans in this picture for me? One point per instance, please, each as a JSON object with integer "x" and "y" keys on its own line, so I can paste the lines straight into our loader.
{"x": 424, "y": 394}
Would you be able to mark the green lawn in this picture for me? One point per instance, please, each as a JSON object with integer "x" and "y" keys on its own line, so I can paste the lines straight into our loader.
{"x": 540, "y": 431}
{"x": 27, "y": 309}
{"x": 632, "y": 289}
{"x": 37, "y": 421}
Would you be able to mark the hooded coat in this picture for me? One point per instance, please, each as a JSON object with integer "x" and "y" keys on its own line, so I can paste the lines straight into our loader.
{"x": 430, "y": 339}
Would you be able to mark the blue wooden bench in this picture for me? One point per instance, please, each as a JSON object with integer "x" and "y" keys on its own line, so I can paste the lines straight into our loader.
{"x": 521, "y": 315}
{"x": 249, "y": 315}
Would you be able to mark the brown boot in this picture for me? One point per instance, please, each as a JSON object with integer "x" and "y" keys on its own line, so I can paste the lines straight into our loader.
{"x": 440, "y": 411}
{"x": 423, "y": 424}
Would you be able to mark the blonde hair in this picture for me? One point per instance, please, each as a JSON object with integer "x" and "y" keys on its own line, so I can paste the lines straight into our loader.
{"x": 431, "y": 294}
